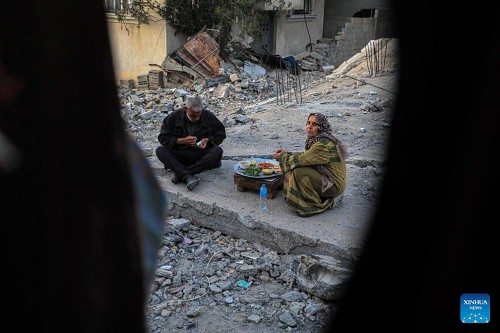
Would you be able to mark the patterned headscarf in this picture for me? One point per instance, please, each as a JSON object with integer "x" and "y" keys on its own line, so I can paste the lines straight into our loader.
{"x": 325, "y": 131}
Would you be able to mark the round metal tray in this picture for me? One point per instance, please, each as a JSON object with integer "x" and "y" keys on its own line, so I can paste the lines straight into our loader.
{"x": 239, "y": 170}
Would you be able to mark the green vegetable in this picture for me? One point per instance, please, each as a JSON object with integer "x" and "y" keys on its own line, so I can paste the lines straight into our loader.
{"x": 252, "y": 171}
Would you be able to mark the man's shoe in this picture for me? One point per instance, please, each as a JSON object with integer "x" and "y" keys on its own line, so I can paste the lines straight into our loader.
{"x": 191, "y": 182}
{"x": 175, "y": 180}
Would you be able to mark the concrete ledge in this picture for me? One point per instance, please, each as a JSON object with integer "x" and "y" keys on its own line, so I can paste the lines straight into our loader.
{"x": 216, "y": 204}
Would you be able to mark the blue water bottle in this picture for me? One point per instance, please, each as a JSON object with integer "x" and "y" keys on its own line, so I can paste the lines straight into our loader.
{"x": 263, "y": 197}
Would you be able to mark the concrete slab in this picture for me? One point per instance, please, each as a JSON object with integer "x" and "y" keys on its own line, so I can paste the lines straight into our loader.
{"x": 216, "y": 204}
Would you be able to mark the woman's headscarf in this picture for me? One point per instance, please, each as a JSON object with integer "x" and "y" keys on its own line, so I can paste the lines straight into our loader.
{"x": 325, "y": 131}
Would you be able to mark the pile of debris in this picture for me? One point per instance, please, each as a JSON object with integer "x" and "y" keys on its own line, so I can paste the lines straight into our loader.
{"x": 201, "y": 270}
{"x": 197, "y": 66}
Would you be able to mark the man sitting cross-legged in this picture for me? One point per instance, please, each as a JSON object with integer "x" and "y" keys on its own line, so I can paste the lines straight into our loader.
{"x": 190, "y": 139}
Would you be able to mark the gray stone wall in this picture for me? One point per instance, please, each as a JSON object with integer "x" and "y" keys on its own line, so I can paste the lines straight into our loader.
{"x": 353, "y": 37}
{"x": 356, "y": 33}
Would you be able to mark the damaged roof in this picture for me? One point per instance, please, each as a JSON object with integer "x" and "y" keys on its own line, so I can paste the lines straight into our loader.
{"x": 201, "y": 53}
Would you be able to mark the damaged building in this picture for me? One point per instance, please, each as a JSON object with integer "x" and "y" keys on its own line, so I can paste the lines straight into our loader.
{"x": 315, "y": 33}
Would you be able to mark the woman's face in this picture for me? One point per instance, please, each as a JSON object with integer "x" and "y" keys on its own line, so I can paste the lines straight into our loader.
{"x": 312, "y": 127}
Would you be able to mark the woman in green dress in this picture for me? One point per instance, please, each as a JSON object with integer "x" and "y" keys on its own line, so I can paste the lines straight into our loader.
{"x": 313, "y": 178}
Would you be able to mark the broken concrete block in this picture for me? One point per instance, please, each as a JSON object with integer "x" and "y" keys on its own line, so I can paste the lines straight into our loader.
{"x": 178, "y": 224}
{"x": 142, "y": 82}
{"x": 233, "y": 77}
{"x": 217, "y": 80}
{"x": 327, "y": 69}
{"x": 323, "y": 277}
{"x": 316, "y": 55}
{"x": 254, "y": 69}
{"x": 307, "y": 65}
{"x": 155, "y": 79}
{"x": 244, "y": 84}
{"x": 180, "y": 93}
{"x": 134, "y": 99}
{"x": 127, "y": 84}
{"x": 223, "y": 91}
{"x": 164, "y": 108}
{"x": 179, "y": 103}
{"x": 150, "y": 105}
{"x": 148, "y": 114}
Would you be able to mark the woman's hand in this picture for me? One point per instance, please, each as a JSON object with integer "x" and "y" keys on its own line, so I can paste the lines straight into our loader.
{"x": 277, "y": 153}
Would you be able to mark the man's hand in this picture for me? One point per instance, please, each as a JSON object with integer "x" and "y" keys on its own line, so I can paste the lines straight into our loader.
{"x": 188, "y": 141}
{"x": 203, "y": 143}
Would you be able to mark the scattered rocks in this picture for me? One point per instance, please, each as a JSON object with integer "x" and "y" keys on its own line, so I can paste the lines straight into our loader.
{"x": 234, "y": 276}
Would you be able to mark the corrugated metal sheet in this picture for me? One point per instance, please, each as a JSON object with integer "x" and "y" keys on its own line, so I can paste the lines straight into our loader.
{"x": 201, "y": 52}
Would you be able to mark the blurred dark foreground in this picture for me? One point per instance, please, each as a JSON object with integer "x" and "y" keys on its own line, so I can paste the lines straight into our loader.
{"x": 73, "y": 234}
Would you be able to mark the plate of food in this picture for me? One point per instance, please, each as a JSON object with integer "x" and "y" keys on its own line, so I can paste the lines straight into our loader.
{"x": 258, "y": 168}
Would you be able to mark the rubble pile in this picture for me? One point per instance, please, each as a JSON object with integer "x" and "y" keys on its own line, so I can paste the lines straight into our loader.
{"x": 217, "y": 93}
{"x": 200, "y": 270}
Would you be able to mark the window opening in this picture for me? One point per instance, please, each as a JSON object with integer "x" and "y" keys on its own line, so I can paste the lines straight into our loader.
{"x": 306, "y": 8}
{"x": 113, "y": 6}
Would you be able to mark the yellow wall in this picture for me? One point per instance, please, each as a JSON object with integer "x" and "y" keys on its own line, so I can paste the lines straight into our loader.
{"x": 134, "y": 48}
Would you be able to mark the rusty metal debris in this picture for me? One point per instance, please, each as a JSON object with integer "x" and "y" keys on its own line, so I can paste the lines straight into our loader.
{"x": 197, "y": 59}
{"x": 201, "y": 54}
{"x": 287, "y": 75}
{"x": 375, "y": 53}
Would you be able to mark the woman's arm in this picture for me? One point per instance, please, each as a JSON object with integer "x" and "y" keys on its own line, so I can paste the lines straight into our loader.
{"x": 322, "y": 152}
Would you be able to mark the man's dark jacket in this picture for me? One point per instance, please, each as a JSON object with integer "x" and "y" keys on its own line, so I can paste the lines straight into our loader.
{"x": 174, "y": 126}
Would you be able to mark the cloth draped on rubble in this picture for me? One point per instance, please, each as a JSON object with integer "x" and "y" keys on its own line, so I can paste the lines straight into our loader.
{"x": 151, "y": 209}
{"x": 302, "y": 188}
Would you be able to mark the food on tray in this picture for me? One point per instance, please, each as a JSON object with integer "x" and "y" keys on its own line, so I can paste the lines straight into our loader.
{"x": 265, "y": 165}
{"x": 267, "y": 171}
{"x": 252, "y": 170}
{"x": 244, "y": 164}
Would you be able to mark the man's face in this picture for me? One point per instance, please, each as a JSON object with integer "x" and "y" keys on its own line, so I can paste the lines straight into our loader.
{"x": 193, "y": 115}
